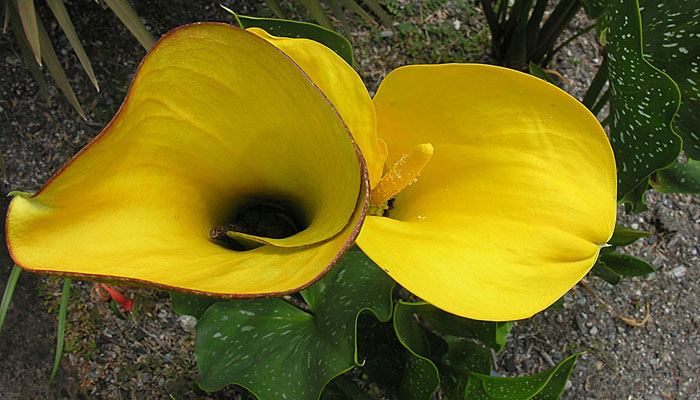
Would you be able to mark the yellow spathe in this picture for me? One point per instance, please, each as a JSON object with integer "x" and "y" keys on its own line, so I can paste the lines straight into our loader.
{"x": 343, "y": 88}
{"x": 515, "y": 203}
{"x": 505, "y": 217}
{"x": 215, "y": 116}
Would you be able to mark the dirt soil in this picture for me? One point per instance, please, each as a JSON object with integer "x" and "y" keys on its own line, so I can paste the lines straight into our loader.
{"x": 150, "y": 354}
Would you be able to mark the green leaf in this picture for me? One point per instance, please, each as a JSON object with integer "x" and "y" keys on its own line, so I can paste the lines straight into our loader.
{"x": 354, "y": 7}
{"x": 48, "y": 54}
{"x": 643, "y": 102}
{"x": 594, "y": 8}
{"x": 622, "y": 236}
{"x": 602, "y": 271}
{"x": 672, "y": 43}
{"x": 635, "y": 201}
{"x": 543, "y": 386}
{"x": 626, "y": 265}
{"x": 317, "y": 12}
{"x": 343, "y": 388}
{"x": 123, "y": 10}
{"x": 187, "y": 304}
{"x": 61, "y": 327}
{"x": 379, "y": 11}
{"x": 7, "y": 296}
{"x": 30, "y": 23}
{"x": 678, "y": 178}
{"x": 537, "y": 71}
{"x": 294, "y": 29}
{"x": 277, "y": 350}
{"x": 492, "y": 334}
{"x": 274, "y": 6}
{"x": 382, "y": 356}
{"x": 61, "y": 14}
{"x": 34, "y": 68}
{"x": 421, "y": 377}
{"x": 464, "y": 356}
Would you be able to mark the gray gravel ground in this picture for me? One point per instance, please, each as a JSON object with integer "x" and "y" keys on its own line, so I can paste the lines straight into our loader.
{"x": 658, "y": 361}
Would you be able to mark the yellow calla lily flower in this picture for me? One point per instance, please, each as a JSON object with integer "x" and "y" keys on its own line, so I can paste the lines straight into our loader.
{"x": 506, "y": 184}
{"x": 219, "y": 135}
{"x": 501, "y": 186}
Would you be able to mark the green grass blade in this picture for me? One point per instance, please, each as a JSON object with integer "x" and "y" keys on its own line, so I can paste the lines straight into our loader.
{"x": 317, "y": 12}
{"x": 9, "y": 289}
{"x": 560, "y": 18}
{"x": 30, "y": 23}
{"x": 539, "y": 72}
{"x": 26, "y": 49}
{"x": 274, "y": 6}
{"x": 127, "y": 15}
{"x": 533, "y": 25}
{"x": 339, "y": 13}
{"x": 604, "y": 99}
{"x": 601, "y": 76}
{"x": 573, "y": 37}
{"x": 54, "y": 66}
{"x": 61, "y": 14}
{"x": 354, "y": 7}
{"x": 61, "y": 327}
{"x": 6, "y": 21}
{"x": 379, "y": 11}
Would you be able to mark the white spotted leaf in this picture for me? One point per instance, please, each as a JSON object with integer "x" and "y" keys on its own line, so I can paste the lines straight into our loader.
{"x": 643, "y": 101}
{"x": 278, "y": 351}
{"x": 678, "y": 178}
{"x": 543, "y": 386}
{"x": 672, "y": 44}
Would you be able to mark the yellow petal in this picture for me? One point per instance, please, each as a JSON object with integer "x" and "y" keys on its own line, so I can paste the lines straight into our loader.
{"x": 343, "y": 88}
{"x": 215, "y": 117}
{"x": 511, "y": 210}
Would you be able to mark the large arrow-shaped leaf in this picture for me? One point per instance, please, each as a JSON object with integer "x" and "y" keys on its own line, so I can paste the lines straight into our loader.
{"x": 279, "y": 351}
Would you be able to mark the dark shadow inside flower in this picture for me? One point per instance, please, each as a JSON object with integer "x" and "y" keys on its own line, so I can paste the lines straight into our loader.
{"x": 261, "y": 216}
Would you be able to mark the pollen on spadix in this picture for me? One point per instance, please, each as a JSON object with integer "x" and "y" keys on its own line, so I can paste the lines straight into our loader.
{"x": 404, "y": 172}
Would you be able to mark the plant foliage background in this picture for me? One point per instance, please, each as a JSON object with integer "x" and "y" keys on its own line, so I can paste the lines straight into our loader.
{"x": 104, "y": 349}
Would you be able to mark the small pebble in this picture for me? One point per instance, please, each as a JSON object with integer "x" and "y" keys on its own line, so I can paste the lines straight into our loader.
{"x": 187, "y": 322}
{"x": 678, "y": 272}
{"x": 386, "y": 34}
{"x": 593, "y": 331}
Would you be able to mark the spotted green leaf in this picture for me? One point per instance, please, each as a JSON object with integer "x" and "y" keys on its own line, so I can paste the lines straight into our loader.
{"x": 643, "y": 101}
{"x": 543, "y": 386}
{"x": 464, "y": 356}
{"x": 672, "y": 44}
{"x": 594, "y": 8}
{"x": 185, "y": 304}
{"x": 635, "y": 200}
{"x": 277, "y": 350}
{"x": 492, "y": 334}
{"x": 678, "y": 178}
{"x": 421, "y": 377}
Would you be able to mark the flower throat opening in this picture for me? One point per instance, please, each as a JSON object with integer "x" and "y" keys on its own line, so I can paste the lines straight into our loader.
{"x": 268, "y": 218}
